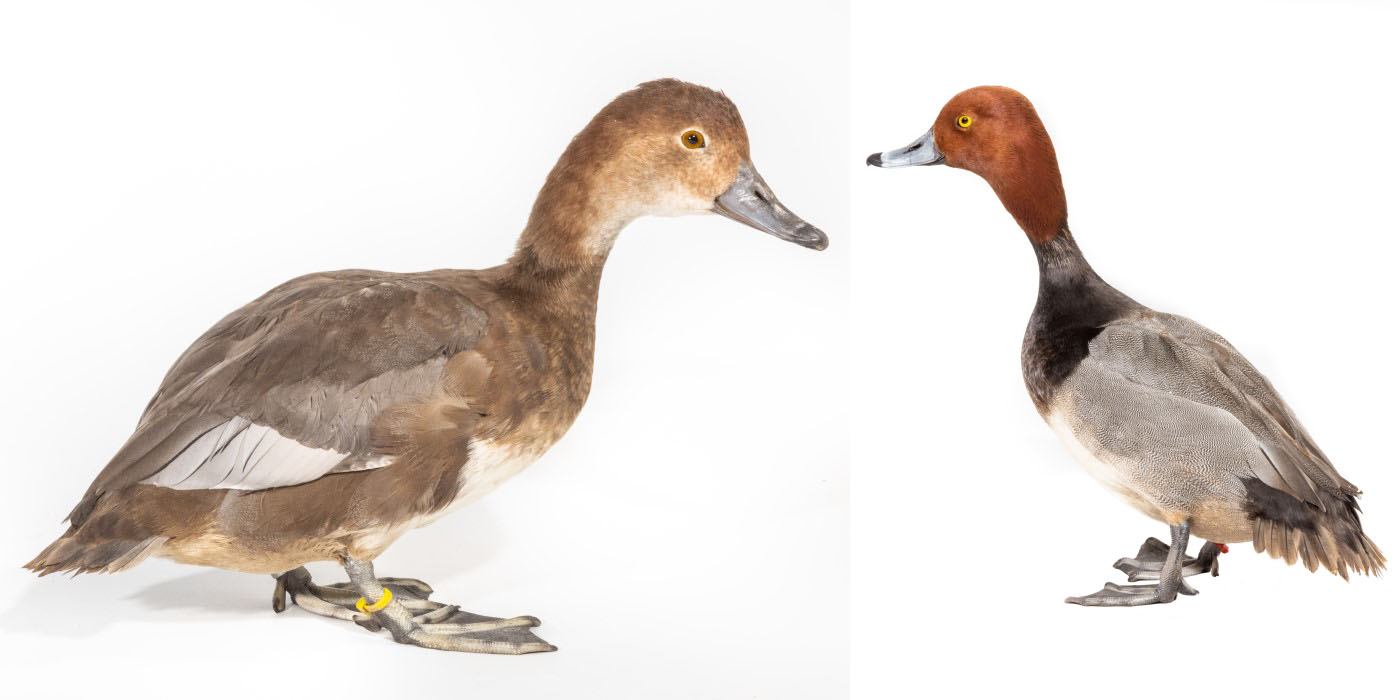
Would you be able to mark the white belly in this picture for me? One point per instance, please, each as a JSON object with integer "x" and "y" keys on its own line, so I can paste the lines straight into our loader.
{"x": 1114, "y": 477}
{"x": 488, "y": 465}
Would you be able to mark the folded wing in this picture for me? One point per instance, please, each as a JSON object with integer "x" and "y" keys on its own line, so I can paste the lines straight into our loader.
{"x": 1176, "y": 355}
{"x": 284, "y": 390}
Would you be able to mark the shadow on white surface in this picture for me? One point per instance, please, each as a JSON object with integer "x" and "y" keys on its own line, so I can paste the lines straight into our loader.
{"x": 56, "y": 607}
{"x": 65, "y": 606}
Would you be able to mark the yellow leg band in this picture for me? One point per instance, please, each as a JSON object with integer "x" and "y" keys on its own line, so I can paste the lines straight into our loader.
{"x": 363, "y": 605}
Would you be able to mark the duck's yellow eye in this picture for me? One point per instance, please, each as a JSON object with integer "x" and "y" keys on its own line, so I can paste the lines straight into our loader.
{"x": 964, "y": 121}
{"x": 693, "y": 139}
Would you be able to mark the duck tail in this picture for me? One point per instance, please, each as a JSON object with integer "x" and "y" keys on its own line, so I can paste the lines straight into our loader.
{"x": 108, "y": 556}
{"x": 1291, "y": 529}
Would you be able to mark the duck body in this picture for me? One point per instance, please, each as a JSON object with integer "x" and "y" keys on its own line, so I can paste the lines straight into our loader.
{"x": 1168, "y": 416}
{"x": 342, "y": 409}
{"x": 1161, "y": 410}
{"x": 403, "y": 395}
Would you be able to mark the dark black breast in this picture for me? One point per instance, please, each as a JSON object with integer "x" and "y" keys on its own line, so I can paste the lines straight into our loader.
{"x": 1073, "y": 306}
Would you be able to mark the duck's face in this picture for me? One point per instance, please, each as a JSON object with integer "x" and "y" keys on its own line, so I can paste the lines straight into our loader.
{"x": 995, "y": 132}
{"x": 670, "y": 148}
{"x": 991, "y": 131}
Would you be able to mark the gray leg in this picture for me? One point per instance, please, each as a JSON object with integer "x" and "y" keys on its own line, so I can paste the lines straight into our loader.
{"x": 409, "y": 616}
{"x": 327, "y": 601}
{"x": 1208, "y": 559}
{"x": 1169, "y": 584}
{"x": 1147, "y": 565}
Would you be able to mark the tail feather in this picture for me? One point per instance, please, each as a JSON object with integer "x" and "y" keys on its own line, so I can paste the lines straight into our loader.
{"x": 68, "y": 553}
{"x": 1292, "y": 542}
{"x": 1293, "y": 530}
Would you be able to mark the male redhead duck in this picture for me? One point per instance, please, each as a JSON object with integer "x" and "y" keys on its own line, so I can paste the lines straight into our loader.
{"x": 328, "y": 417}
{"x": 1161, "y": 410}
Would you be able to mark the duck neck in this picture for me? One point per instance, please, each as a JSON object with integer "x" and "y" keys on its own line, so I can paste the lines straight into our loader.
{"x": 1034, "y": 195}
{"x": 1073, "y": 305}
{"x": 1061, "y": 262}
{"x": 559, "y": 258}
{"x": 1071, "y": 292}
{"x": 1030, "y": 188}
{"x": 559, "y": 290}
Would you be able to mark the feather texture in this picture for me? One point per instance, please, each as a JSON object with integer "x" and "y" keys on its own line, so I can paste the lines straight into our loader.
{"x": 1178, "y": 356}
{"x": 284, "y": 390}
{"x": 240, "y": 454}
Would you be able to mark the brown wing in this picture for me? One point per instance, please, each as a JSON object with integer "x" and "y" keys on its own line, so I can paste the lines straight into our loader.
{"x": 283, "y": 390}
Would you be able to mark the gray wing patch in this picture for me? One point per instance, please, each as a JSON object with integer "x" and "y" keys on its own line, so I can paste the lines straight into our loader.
{"x": 1171, "y": 448}
{"x": 240, "y": 454}
{"x": 1180, "y": 357}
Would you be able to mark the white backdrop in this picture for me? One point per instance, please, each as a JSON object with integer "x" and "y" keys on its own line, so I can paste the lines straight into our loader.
{"x": 1234, "y": 162}
{"x": 164, "y": 163}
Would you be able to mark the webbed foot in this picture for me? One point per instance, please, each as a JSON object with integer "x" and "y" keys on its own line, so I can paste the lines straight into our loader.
{"x": 408, "y": 614}
{"x": 1147, "y": 565}
{"x": 1116, "y": 596}
{"x": 1163, "y": 562}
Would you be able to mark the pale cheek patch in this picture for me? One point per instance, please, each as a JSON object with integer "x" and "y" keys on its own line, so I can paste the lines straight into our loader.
{"x": 679, "y": 201}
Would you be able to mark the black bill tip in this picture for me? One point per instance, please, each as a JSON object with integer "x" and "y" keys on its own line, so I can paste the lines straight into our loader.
{"x": 874, "y": 160}
{"x": 809, "y": 236}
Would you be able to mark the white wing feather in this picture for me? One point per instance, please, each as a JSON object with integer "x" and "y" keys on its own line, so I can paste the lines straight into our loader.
{"x": 240, "y": 454}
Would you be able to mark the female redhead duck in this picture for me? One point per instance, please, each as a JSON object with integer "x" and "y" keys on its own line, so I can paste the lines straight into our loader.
{"x": 331, "y": 415}
{"x": 1161, "y": 410}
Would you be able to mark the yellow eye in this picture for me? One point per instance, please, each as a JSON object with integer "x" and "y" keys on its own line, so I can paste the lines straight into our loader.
{"x": 964, "y": 121}
{"x": 693, "y": 139}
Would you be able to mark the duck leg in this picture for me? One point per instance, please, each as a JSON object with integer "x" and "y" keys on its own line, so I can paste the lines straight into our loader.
{"x": 1169, "y": 584}
{"x": 1147, "y": 565}
{"x": 338, "y": 600}
{"x": 409, "y": 615}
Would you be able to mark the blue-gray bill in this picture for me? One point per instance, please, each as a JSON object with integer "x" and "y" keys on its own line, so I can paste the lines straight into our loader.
{"x": 751, "y": 202}
{"x": 922, "y": 152}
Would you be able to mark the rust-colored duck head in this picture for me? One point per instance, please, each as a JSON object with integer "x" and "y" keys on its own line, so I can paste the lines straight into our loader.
{"x": 664, "y": 148}
{"x": 996, "y": 133}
